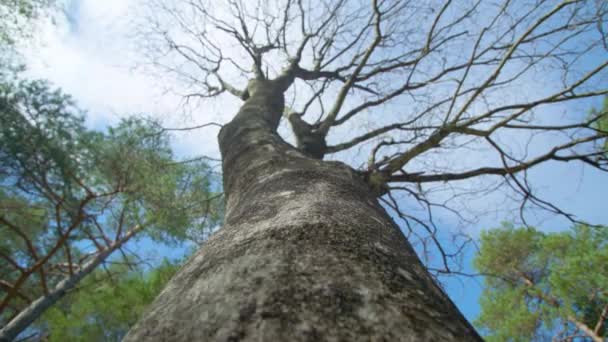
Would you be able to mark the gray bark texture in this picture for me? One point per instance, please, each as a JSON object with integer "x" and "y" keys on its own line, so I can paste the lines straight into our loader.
{"x": 306, "y": 254}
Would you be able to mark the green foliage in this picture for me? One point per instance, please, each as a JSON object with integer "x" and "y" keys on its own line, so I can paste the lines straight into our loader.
{"x": 42, "y": 134}
{"x": 601, "y": 124}
{"x": 66, "y": 191}
{"x": 541, "y": 283}
{"x": 17, "y": 17}
{"x": 47, "y": 155}
{"x": 175, "y": 194}
{"x": 104, "y": 308}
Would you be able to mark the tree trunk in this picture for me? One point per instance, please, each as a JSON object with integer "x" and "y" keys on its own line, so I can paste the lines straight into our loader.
{"x": 306, "y": 254}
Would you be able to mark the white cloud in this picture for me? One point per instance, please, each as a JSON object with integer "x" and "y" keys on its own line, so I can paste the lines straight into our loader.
{"x": 90, "y": 57}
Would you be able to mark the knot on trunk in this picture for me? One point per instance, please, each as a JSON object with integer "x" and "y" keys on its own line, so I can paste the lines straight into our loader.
{"x": 378, "y": 182}
{"x": 308, "y": 139}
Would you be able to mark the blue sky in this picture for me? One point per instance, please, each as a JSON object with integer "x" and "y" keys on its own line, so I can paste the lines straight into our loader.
{"x": 90, "y": 56}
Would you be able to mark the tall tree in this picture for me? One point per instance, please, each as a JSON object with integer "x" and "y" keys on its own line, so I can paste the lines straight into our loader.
{"x": 307, "y": 250}
{"x": 70, "y": 197}
{"x": 550, "y": 286}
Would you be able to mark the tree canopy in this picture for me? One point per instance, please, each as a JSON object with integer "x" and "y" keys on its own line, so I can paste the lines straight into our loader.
{"x": 540, "y": 286}
{"x": 18, "y": 19}
{"x": 437, "y": 104}
{"x": 70, "y": 196}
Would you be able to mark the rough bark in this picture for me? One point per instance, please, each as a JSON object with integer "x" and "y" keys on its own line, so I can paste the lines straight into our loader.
{"x": 306, "y": 254}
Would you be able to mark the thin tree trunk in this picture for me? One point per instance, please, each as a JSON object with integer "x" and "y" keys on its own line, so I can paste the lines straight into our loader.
{"x": 33, "y": 311}
{"x": 585, "y": 329}
{"x": 306, "y": 254}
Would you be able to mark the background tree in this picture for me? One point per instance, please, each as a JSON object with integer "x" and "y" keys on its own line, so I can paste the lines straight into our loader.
{"x": 105, "y": 307}
{"x": 70, "y": 196}
{"x": 18, "y": 15}
{"x": 19, "y": 19}
{"x": 544, "y": 286}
